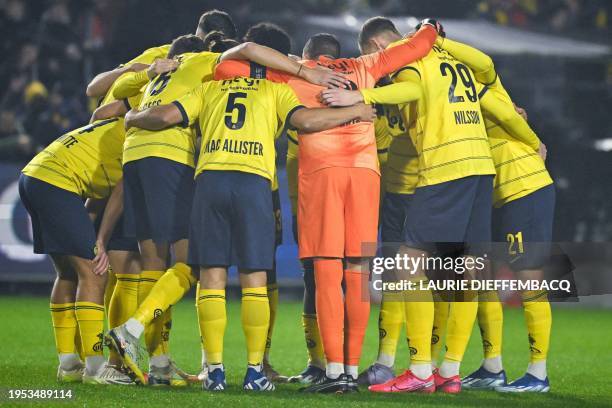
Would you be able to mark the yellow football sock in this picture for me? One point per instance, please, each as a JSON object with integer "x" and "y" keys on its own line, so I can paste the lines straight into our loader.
{"x": 390, "y": 322}
{"x": 538, "y": 317}
{"x": 65, "y": 327}
{"x": 123, "y": 302}
{"x": 168, "y": 290}
{"x": 273, "y": 301}
{"x": 148, "y": 279}
{"x": 108, "y": 293}
{"x": 255, "y": 316}
{"x": 314, "y": 345}
{"x": 90, "y": 317}
{"x": 212, "y": 317}
{"x": 491, "y": 323}
{"x": 461, "y": 318}
{"x": 438, "y": 332}
{"x": 419, "y": 312}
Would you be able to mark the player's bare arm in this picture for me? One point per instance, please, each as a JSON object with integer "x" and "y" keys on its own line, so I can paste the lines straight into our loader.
{"x": 103, "y": 81}
{"x": 110, "y": 110}
{"x": 155, "y": 118}
{"x": 112, "y": 213}
{"x": 319, "y": 119}
{"x": 398, "y": 93}
{"x": 276, "y": 60}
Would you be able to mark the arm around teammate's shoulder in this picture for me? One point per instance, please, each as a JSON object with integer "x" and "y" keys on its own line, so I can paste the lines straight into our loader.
{"x": 319, "y": 119}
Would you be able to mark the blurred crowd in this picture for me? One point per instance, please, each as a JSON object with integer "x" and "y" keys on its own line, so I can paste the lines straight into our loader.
{"x": 584, "y": 16}
{"x": 52, "y": 48}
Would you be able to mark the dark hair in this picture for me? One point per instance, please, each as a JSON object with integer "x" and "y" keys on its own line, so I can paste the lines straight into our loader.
{"x": 217, "y": 20}
{"x": 373, "y": 27}
{"x": 322, "y": 44}
{"x": 270, "y": 35}
{"x": 186, "y": 43}
{"x": 216, "y": 41}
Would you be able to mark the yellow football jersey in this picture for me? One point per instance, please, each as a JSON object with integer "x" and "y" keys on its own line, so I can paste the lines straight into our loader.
{"x": 147, "y": 57}
{"x": 520, "y": 169}
{"x": 448, "y": 132}
{"x": 401, "y": 171}
{"x": 239, "y": 119}
{"x": 85, "y": 161}
{"x": 292, "y": 168}
{"x": 175, "y": 143}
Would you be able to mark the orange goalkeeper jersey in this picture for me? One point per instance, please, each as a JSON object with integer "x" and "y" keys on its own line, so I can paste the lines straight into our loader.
{"x": 353, "y": 144}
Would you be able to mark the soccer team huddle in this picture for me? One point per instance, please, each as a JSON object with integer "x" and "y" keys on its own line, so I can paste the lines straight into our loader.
{"x": 174, "y": 180}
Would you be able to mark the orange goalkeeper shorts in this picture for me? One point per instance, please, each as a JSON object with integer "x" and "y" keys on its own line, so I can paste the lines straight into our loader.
{"x": 338, "y": 213}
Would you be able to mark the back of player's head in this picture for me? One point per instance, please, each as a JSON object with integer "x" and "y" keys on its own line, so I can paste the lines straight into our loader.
{"x": 217, "y": 20}
{"x": 270, "y": 35}
{"x": 321, "y": 44}
{"x": 186, "y": 43}
{"x": 373, "y": 27}
{"x": 216, "y": 41}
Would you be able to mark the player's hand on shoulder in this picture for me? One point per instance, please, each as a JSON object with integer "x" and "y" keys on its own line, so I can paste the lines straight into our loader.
{"x": 129, "y": 116}
{"x": 434, "y": 23}
{"x": 161, "y": 66}
{"x": 521, "y": 112}
{"x": 138, "y": 66}
{"x": 323, "y": 76}
{"x": 367, "y": 113}
{"x": 340, "y": 97}
{"x": 100, "y": 261}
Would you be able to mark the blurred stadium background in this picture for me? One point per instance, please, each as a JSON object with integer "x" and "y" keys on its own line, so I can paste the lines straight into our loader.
{"x": 554, "y": 56}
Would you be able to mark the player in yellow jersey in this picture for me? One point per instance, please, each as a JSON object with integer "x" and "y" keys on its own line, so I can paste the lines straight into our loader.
{"x": 524, "y": 201}
{"x": 271, "y": 35}
{"x": 158, "y": 189}
{"x": 103, "y": 87}
{"x": 452, "y": 201}
{"x": 82, "y": 164}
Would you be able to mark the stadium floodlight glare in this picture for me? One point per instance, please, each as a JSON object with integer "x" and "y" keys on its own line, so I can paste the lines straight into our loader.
{"x": 350, "y": 20}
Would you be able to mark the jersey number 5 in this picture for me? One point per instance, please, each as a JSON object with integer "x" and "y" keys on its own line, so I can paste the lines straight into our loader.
{"x": 466, "y": 77}
{"x": 233, "y": 105}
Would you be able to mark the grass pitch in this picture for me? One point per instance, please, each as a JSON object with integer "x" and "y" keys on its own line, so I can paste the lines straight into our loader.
{"x": 579, "y": 363}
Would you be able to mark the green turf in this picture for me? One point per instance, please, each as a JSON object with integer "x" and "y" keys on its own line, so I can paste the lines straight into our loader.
{"x": 579, "y": 363}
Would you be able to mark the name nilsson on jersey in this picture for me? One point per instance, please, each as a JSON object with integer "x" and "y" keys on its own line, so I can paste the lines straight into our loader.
{"x": 235, "y": 146}
{"x": 467, "y": 117}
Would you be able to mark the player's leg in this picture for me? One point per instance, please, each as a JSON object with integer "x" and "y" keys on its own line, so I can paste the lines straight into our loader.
{"x": 157, "y": 196}
{"x": 63, "y": 295}
{"x": 315, "y": 367}
{"x": 272, "y": 285}
{"x": 490, "y": 321}
{"x": 361, "y": 235}
{"x": 391, "y": 315}
{"x": 476, "y": 193}
{"x": 321, "y": 238}
{"x": 168, "y": 190}
{"x": 212, "y": 319}
{"x": 63, "y": 227}
{"x": 124, "y": 298}
{"x": 63, "y": 317}
{"x": 532, "y": 234}
{"x": 253, "y": 238}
